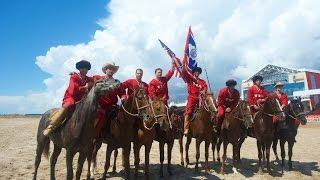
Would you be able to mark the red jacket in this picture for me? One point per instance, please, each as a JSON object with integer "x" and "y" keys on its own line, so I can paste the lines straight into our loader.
{"x": 228, "y": 98}
{"x": 132, "y": 85}
{"x": 195, "y": 86}
{"x": 76, "y": 89}
{"x": 255, "y": 93}
{"x": 283, "y": 98}
{"x": 109, "y": 99}
{"x": 159, "y": 88}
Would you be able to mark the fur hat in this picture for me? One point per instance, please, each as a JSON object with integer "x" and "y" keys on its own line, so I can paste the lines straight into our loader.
{"x": 231, "y": 82}
{"x": 258, "y": 77}
{"x": 197, "y": 69}
{"x": 83, "y": 64}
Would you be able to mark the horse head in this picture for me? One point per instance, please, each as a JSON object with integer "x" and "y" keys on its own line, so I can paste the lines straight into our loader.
{"x": 272, "y": 107}
{"x": 244, "y": 111}
{"x": 295, "y": 110}
{"x": 208, "y": 103}
{"x": 161, "y": 113}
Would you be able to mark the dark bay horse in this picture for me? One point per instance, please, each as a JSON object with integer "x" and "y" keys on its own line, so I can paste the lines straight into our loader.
{"x": 263, "y": 128}
{"x": 201, "y": 128}
{"x": 294, "y": 116}
{"x": 121, "y": 131}
{"x": 231, "y": 131}
{"x": 76, "y": 135}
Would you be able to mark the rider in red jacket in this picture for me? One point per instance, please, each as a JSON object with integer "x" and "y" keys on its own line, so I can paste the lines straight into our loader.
{"x": 228, "y": 99}
{"x": 132, "y": 84}
{"x": 158, "y": 87}
{"x": 196, "y": 87}
{"x": 256, "y": 94}
{"x": 79, "y": 84}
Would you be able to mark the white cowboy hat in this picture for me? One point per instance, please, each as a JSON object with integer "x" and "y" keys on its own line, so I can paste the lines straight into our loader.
{"x": 278, "y": 84}
{"x": 110, "y": 66}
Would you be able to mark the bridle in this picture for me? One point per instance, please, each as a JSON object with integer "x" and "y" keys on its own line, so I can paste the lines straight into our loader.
{"x": 241, "y": 112}
{"x": 295, "y": 115}
{"x": 157, "y": 116}
{"x": 207, "y": 106}
{"x": 135, "y": 100}
{"x": 275, "y": 111}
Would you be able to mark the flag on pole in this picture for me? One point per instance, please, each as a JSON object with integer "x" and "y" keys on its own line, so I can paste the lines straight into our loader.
{"x": 190, "y": 52}
{"x": 177, "y": 62}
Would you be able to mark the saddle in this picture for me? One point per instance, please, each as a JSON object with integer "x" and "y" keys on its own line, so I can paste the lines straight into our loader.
{"x": 67, "y": 116}
{"x": 110, "y": 116}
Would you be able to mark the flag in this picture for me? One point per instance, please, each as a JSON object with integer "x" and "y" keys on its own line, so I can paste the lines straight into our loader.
{"x": 177, "y": 62}
{"x": 190, "y": 52}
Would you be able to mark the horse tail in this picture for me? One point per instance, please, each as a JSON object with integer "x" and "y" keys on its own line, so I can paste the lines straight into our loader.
{"x": 46, "y": 149}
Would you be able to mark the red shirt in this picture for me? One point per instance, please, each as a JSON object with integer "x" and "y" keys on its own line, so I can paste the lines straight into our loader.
{"x": 109, "y": 99}
{"x": 76, "y": 89}
{"x": 255, "y": 93}
{"x": 228, "y": 98}
{"x": 283, "y": 98}
{"x": 132, "y": 85}
{"x": 195, "y": 86}
{"x": 159, "y": 88}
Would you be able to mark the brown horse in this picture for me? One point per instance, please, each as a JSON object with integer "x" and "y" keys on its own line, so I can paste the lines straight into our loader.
{"x": 76, "y": 135}
{"x": 165, "y": 135}
{"x": 146, "y": 131}
{"x": 201, "y": 128}
{"x": 231, "y": 131}
{"x": 263, "y": 128}
{"x": 121, "y": 131}
{"x": 294, "y": 116}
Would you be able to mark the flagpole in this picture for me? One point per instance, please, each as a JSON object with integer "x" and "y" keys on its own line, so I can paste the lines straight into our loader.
{"x": 208, "y": 80}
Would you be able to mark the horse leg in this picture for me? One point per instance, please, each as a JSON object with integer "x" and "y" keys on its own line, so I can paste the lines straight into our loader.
{"x": 81, "y": 159}
{"x": 41, "y": 145}
{"x": 187, "y": 150}
{"x": 169, "y": 151}
{"x": 268, "y": 146}
{"x": 274, "y": 147}
{"x": 198, "y": 142}
{"x": 239, "y": 148}
{"x": 89, "y": 157}
{"x": 146, "y": 165}
{"x": 290, "y": 147}
{"x": 136, "y": 148}
{"x": 263, "y": 153}
{"x": 207, "y": 144}
{"x": 126, "y": 159}
{"x": 235, "y": 157}
{"x": 96, "y": 147}
{"x": 283, "y": 154}
{"x": 161, "y": 148}
{"x": 218, "y": 149}
{"x": 69, "y": 160}
{"x": 107, "y": 163}
{"x": 259, "y": 147}
{"x": 214, "y": 143}
{"x": 181, "y": 151}
{"x": 53, "y": 160}
{"x": 224, "y": 156}
{"x": 115, "y": 155}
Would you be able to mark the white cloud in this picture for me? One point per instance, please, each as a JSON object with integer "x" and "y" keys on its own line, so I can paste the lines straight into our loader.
{"x": 234, "y": 39}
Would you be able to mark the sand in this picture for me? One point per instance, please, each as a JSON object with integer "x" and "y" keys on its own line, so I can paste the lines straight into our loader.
{"x": 18, "y": 144}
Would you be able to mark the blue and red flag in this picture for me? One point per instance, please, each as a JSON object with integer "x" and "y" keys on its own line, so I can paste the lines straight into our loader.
{"x": 190, "y": 52}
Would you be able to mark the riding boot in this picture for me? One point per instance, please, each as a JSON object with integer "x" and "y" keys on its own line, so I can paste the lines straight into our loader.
{"x": 55, "y": 120}
{"x": 186, "y": 125}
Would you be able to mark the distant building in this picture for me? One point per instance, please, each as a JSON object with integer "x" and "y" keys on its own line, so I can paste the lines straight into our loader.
{"x": 298, "y": 83}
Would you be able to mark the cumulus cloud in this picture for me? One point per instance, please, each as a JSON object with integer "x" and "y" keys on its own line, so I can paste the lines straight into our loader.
{"x": 234, "y": 39}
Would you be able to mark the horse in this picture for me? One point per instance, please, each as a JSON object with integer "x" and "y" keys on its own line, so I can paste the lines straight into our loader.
{"x": 146, "y": 132}
{"x": 231, "y": 131}
{"x": 76, "y": 135}
{"x": 263, "y": 128}
{"x": 201, "y": 128}
{"x": 122, "y": 128}
{"x": 294, "y": 116}
{"x": 165, "y": 135}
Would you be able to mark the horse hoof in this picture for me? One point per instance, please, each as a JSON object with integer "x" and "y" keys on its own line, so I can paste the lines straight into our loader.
{"x": 235, "y": 171}
{"x": 182, "y": 163}
{"x": 260, "y": 172}
{"x": 219, "y": 160}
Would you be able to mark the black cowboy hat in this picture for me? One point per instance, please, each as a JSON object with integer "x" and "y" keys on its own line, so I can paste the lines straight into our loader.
{"x": 258, "y": 77}
{"x": 83, "y": 64}
{"x": 197, "y": 69}
{"x": 231, "y": 82}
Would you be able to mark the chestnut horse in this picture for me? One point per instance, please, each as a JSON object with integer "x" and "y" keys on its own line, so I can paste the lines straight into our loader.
{"x": 263, "y": 128}
{"x": 201, "y": 128}
{"x": 121, "y": 130}
{"x": 76, "y": 135}
{"x": 231, "y": 131}
{"x": 294, "y": 116}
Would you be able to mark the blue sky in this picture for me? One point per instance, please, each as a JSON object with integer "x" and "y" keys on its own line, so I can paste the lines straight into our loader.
{"x": 30, "y": 28}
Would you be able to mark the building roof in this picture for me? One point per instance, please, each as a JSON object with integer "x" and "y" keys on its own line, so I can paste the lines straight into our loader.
{"x": 272, "y": 73}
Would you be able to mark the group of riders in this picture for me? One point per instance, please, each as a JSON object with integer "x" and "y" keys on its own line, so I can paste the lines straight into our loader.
{"x": 228, "y": 96}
